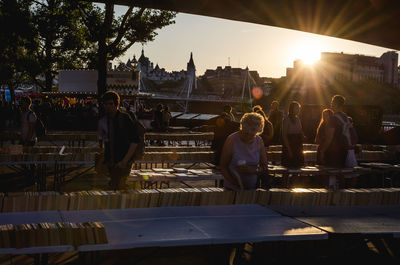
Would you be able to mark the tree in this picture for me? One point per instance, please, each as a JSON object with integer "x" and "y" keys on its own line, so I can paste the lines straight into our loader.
{"x": 64, "y": 41}
{"x": 116, "y": 36}
{"x": 17, "y": 43}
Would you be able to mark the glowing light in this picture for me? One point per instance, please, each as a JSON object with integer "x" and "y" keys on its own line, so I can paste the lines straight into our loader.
{"x": 257, "y": 92}
{"x": 307, "y": 51}
{"x": 303, "y": 231}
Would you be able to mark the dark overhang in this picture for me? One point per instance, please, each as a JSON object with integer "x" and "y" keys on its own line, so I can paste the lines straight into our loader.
{"x": 375, "y": 22}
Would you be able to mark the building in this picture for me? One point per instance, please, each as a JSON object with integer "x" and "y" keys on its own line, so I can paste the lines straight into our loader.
{"x": 155, "y": 73}
{"x": 231, "y": 82}
{"x": 340, "y": 66}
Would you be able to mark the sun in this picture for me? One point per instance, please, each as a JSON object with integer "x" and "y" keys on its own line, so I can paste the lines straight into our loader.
{"x": 307, "y": 51}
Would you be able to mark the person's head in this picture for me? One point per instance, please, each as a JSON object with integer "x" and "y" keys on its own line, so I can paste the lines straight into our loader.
{"x": 25, "y": 102}
{"x": 294, "y": 109}
{"x": 227, "y": 109}
{"x": 159, "y": 107}
{"x": 326, "y": 114}
{"x": 257, "y": 108}
{"x": 338, "y": 102}
{"x": 274, "y": 105}
{"x": 251, "y": 124}
{"x": 111, "y": 102}
{"x": 166, "y": 108}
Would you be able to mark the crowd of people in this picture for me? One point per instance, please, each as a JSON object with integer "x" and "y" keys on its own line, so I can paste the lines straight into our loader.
{"x": 243, "y": 156}
{"x": 55, "y": 114}
{"x": 240, "y": 146}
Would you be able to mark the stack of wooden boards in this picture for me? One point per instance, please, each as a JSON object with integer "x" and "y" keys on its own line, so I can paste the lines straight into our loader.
{"x": 94, "y": 200}
{"x": 51, "y": 234}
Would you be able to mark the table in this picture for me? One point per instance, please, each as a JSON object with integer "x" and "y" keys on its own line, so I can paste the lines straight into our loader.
{"x": 38, "y": 165}
{"x": 178, "y": 138}
{"x": 172, "y": 158}
{"x": 178, "y": 149}
{"x": 149, "y": 177}
{"x": 200, "y": 225}
{"x": 288, "y": 174}
{"x": 348, "y": 220}
{"x": 382, "y": 169}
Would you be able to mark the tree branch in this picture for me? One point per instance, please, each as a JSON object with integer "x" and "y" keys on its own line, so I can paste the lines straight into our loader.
{"x": 123, "y": 27}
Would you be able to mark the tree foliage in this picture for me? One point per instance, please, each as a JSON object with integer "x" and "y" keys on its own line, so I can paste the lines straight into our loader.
{"x": 116, "y": 35}
{"x": 63, "y": 37}
{"x": 43, "y": 36}
{"x": 17, "y": 43}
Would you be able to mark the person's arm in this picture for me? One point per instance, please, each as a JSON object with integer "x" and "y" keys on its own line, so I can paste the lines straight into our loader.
{"x": 100, "y": 133}
{"x": 133, "y": 142}
{"x": 263, "y": 158}
{"x": 31, "y": 128}
{"x": 270, "y": 133}
{"x": 318, "y": 137}
{"x": 30, "y": 133}
{"x": 124, "y": 162}
{"x": 285, "y": 140}
{"x": 226, "y": 158}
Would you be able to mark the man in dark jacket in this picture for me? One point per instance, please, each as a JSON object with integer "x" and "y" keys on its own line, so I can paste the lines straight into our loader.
{"x": 117, "y": 133}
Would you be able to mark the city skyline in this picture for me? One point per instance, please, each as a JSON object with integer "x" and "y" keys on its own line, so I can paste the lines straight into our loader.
{"x": 220, "y": 42}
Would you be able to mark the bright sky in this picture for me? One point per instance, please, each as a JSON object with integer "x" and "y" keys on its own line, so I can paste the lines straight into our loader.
{"x": 220, "y": 42}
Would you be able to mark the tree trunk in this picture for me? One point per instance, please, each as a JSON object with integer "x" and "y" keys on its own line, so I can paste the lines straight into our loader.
{"x": 48, "y": 80}
{"x": 12, "y": 92}
{"x": 102, "y": 53}
{"x": 48, "y": 59}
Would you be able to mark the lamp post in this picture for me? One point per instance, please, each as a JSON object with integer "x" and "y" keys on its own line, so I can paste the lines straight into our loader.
{"x": 136, "y": 76}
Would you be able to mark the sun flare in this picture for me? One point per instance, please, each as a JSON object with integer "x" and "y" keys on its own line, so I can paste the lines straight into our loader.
{"x": 309, "y": 52}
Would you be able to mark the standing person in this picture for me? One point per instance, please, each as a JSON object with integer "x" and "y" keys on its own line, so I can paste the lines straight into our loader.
{"x": 166, "y": 117}
{"x": 320, "y": 136}
{"x": 275, "y": 116}
{"x": 334, "y": 150}
{"x": 243, "y": 154}
{"x": 228, "y": 110}
{"x": 224, "y": 126}
{"x": 292, "y": 138}
{"x": 157, "y": 122}
{"x": 268, "y": 131}
{"x": 116, "y": 132}
{"x": 28, "y": 121}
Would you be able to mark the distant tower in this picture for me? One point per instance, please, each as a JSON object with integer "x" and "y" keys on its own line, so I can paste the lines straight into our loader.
{"x": 191, "y": 71}
{"x": 144, "y": 64}
{"x": 190, "y": 81}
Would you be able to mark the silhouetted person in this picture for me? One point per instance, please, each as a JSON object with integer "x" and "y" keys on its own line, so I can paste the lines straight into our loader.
{"x": 292, "y": 138}
{"x": 334, "y": 150}
{"x": 320, "y": 136}
{"x": 275, "y": 116}
{"x": 268, "y": 131}
{"x": 224, "y": 126}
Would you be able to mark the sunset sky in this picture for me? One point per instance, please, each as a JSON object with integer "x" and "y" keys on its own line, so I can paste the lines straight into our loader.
{"x": 220, "y": 42}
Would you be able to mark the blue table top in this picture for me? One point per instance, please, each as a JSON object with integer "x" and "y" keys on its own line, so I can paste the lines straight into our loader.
{"x": 194, "y": 225}
{"x": 30, "y": 217}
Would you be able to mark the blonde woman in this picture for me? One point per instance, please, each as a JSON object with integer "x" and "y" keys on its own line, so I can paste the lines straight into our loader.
{"x": 243, "y": 154}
